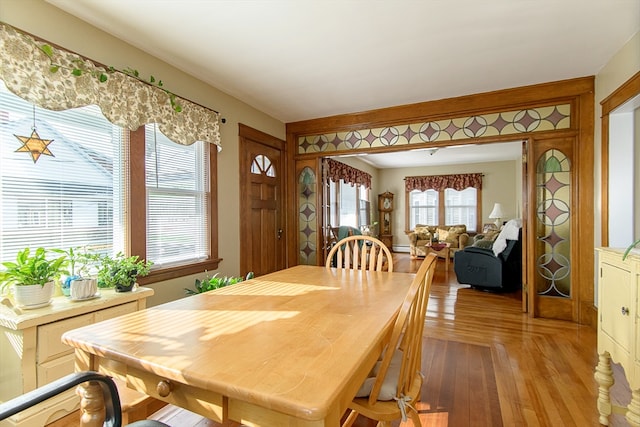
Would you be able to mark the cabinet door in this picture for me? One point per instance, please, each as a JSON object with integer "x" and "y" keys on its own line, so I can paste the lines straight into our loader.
{"x": 55, "y": 369}
{"x": 615, "y": 310}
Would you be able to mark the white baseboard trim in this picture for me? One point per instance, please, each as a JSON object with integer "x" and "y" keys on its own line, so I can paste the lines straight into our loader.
{"x": 401, "y": 248}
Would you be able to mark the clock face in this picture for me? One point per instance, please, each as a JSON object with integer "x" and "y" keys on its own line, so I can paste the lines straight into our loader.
{"x": 386, "y": 203}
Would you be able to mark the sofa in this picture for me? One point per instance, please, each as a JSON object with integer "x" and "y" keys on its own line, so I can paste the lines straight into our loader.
{"x": 455, "y": 235}
{"x": 478, "y": 264}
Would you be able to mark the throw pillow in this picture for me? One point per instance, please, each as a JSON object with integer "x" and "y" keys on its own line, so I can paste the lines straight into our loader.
{"x": 443, "y": 234}
{"x": 491, "y": 235}
{"x": 483, "y": 243}
{"x": 449, "y": 236}
{"x": 390, "y": 384}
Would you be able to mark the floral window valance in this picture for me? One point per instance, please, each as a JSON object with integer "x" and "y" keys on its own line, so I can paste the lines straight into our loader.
{"x": 440, "y": 182}
{"x": 124, "y": 100}
{"x": 337, "y": 171}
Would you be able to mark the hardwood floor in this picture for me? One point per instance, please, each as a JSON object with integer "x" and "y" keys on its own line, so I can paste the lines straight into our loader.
{"x": 487, "y": 364}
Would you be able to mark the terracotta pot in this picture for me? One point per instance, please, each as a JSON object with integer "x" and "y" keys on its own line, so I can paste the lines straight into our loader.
{"x": 33, "y": 296}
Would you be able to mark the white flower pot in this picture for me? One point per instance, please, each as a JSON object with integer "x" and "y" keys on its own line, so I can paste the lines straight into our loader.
{"x": 33, "y": 296}
{"x": 83, "y": 288}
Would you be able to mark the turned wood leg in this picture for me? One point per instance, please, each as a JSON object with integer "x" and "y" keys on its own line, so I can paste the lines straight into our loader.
{"x": 604, "y": 378}
{"x": 633, "y": 410}
{"x": 92, "y": 410}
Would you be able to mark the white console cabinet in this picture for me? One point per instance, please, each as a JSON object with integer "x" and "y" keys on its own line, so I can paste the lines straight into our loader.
{"x": 618, "y": 330}
{"x": 33, "y": 355}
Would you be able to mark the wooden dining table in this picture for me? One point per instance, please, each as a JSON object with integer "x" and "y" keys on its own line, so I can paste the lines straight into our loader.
{"x": 287, "y": 348}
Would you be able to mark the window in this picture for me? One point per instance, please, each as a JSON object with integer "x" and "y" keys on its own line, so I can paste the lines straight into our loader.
{"x": 444, "y": 200}
{"x": 460, "y": 207}
{"x": 456, "y": 207}
{"x": 66, "y": 199}
{"x": 423, "y": 207}
{"x": 177, "y": 182}
{"x": 349, "y": 204}
{"x": 83, "y": 194}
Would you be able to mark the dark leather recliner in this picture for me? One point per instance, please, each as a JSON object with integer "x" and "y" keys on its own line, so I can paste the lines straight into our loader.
{"x": 481, "y": 269}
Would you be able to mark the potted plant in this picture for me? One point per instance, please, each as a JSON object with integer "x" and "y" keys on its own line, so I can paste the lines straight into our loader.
{"x": 31, "y": 277}
{"x": 78, "y": 282}
{"x": 121, "y": 272}
{"x": 215, "y": 282}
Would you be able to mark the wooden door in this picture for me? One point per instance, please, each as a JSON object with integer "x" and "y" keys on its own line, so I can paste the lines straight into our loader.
{"x": 552, "y": 232}
{"x": 262, "y": 241}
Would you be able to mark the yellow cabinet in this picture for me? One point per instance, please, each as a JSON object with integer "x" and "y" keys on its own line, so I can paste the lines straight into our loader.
{"x": 618, "y": 329}
{"x": 33, "y": 355}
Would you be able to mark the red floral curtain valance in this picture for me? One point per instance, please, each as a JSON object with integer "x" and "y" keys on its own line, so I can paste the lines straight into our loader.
{"x": 337, "y": 171}
{"x": 440, "y": 182}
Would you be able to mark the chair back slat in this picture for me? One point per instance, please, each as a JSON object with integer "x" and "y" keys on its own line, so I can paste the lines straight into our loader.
{"x": 406, "y": 335}
{"x": 360, "y": 253}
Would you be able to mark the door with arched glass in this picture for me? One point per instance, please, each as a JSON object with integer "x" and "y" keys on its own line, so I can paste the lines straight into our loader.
{"x": 262, "y": 239}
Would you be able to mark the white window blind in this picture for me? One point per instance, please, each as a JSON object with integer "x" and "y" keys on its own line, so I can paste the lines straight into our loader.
{"x": 178, "y": 200}
{"x": 73, "y": 198}
{"x": 423, "y": 207}
{"x": 461, "y": 207}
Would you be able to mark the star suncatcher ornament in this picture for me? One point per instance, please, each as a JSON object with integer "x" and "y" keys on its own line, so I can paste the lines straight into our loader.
{"x": 34, "y": 145}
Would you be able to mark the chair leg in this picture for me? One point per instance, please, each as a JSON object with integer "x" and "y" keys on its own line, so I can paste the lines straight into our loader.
{"x": 384, "y": 424}
{"x": 416, "y": 419}
{"x": 351, "y": 418}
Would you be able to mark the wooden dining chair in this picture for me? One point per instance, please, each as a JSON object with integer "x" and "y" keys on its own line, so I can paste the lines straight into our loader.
{"x": 360, "y": 253}
{"x": 394, "y": 386}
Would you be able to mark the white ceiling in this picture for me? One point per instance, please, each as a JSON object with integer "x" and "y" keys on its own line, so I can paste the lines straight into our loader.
{"x": 457, "y": 154}
{"x": 304, "y": 59}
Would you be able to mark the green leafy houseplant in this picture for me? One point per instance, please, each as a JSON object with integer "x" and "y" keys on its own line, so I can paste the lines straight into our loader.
{"x": 77, "y": 263}
{"x": 31, "y": 269}
{"x": 120, "y": 272}
{"x": 215, "y": 282}
{"x": 77, "y": 266}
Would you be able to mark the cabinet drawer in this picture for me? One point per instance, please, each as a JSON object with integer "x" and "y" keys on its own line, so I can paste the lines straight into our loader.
{"x": 55, "y": 369}
{"x": 49, "y": 336}
{"x": 207, "y": 403}
{"x": 112, "y": 312}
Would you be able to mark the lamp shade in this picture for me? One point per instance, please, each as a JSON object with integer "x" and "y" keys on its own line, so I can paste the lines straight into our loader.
{"x": 496, "y": 213}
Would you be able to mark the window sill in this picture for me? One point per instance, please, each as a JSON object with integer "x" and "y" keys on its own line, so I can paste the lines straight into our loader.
{"x": 179, "y": 271}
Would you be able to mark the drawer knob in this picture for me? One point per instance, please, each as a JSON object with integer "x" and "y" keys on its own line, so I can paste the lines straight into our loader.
{"x": 625, "y": 311}
{"x": 163, "y": 388}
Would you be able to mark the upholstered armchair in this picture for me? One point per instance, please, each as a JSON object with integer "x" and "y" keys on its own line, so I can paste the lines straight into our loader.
{"x": 492, "y": 262}
{"x": 421, "y": 235}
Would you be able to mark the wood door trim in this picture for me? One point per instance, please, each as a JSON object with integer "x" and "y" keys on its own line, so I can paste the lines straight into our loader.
{"x": 624, "y": 93}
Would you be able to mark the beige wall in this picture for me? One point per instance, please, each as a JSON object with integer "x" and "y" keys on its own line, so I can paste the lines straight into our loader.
{"x": 620, "y": 68}
{"x": 45, "y": 21}
{"x": 501, "y": 183}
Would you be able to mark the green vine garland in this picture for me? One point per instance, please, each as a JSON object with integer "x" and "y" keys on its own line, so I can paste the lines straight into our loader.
{"x": 80, "y": 67}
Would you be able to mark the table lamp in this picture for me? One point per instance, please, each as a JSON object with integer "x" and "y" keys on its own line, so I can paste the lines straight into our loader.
{"x": 496, "y": 214}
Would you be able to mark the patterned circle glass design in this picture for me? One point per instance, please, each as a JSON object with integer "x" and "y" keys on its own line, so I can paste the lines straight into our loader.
{"x": 553, "y": 214}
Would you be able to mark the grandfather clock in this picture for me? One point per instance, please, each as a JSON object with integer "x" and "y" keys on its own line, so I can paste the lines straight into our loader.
{"x": 385, "y": 207}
